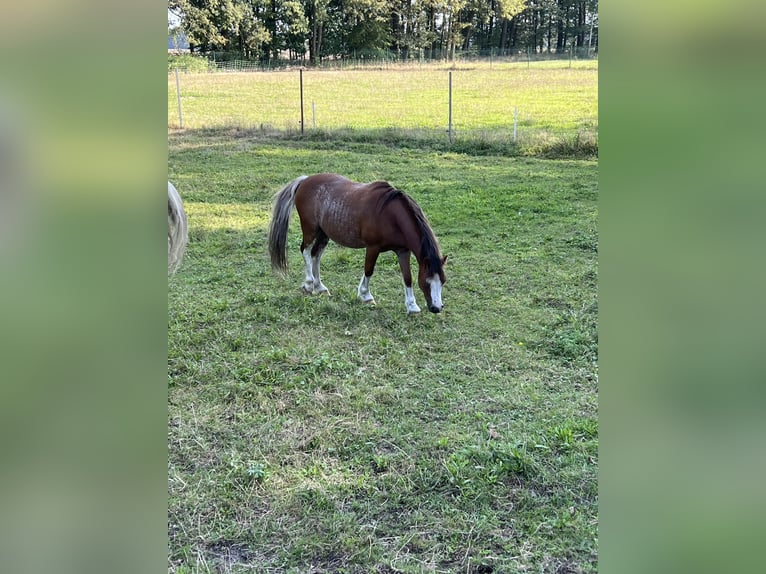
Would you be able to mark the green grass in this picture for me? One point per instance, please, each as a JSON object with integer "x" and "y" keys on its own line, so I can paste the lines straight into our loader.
{"x": 317, "y": 434}
{"x": 556, "y": 105}
{"x": 189, "y": 64}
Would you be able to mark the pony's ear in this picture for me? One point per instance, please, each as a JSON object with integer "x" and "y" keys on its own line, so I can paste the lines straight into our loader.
{"x": 444, "y": 260}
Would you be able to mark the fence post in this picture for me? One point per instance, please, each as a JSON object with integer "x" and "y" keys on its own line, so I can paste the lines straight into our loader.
{"x": 301, "y": 81}
{"x": 449, "y": 126}
{"x": 515, "y": 115}
{"x": 178, "y": 94}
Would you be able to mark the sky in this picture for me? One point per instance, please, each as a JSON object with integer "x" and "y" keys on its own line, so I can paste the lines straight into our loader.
{"x": 172, "y": 20}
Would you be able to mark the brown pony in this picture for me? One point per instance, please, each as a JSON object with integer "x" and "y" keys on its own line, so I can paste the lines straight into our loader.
{"x": 375, "y": 216}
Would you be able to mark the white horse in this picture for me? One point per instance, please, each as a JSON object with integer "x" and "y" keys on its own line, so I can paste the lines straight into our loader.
{"x": 178, "y": 234}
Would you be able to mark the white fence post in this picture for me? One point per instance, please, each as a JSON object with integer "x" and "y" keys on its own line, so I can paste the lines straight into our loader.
{"x": 178, "y": 93}
{"x": 449, "y": 126}
{"x": 301, "y": 81}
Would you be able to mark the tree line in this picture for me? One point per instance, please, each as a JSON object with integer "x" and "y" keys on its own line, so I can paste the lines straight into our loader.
{"x": 320, "y": 29}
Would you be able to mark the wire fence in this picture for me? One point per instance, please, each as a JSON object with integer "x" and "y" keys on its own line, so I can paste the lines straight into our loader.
{"x": 232, "y": 62}
{"x": 541, "y": 104}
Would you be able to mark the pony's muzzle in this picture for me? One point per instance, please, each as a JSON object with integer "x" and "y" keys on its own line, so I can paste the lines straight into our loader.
{"x": 435, "y": 309}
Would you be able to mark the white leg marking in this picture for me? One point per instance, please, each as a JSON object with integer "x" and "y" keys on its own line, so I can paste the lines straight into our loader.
{"x": 436, "y": 291}
{"x": 363, "y": 292}
{"x": 308, "y": 284}
{"x": 409, "y": 301}
{"x": 318, "y": 286}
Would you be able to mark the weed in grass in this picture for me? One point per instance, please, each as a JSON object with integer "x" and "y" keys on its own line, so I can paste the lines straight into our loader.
{"x": 474, "y": 468}
{"x": 572, "y": 336}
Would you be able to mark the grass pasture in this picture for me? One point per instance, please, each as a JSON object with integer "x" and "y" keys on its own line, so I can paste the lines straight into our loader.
{"x": 317, "y": 434}
{"x": 555, "y": 104}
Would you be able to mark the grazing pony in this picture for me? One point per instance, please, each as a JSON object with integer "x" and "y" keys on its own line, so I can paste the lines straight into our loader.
{"x": 178, "y": 235}
{"x": 375, "y": 216}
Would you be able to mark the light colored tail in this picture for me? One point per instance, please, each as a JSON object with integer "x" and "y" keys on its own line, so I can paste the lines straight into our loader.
{"x": 284, "y": 201}
{"x": 178, "y": 235}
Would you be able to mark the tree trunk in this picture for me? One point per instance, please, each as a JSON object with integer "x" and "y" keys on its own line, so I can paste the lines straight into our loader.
{"x": 503, "y": 34}
{"x": 315, "y": 37}
{"x": 581, "y": 11}
{"x": 488, "y": 43}
{"x": 550, "y": 31}
{"x": 395, "y": 30}
{"x": 272, "y": 25}
{"x": 560, "y": 27}
{"x": 441, "y": 38}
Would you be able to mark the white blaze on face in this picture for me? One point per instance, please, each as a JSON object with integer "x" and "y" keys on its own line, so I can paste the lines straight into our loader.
{"x": 436, "y": 291}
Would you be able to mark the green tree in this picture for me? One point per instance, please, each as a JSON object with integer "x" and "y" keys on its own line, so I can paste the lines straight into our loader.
{"x": 367, "y": 24}
{"x": 287, "y": 26}
{"x": 316, "y": 20}
{"x": 253, "y": 37}
{"x": 200, "y": 20}
{"x": 340, "y": 28}
{"x": 355, "y": 26}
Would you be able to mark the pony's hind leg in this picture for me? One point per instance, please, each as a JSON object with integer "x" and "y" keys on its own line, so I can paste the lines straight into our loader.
{"x": 312, "y": 284}
{"x": 312, "y": 246}
{"x": 308, "y": 283}
{"x": 316, "y": 254}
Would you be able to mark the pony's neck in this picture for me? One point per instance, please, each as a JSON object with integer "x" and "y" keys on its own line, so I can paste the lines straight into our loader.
{"x": 413, "y": 234}
{"x": 418, "y": 237}
{"x": 421, "y": 241}
{"x": 418, "y": 251}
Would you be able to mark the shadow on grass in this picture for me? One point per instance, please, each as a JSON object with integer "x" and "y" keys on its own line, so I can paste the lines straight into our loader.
{"x": 576, "y": 145}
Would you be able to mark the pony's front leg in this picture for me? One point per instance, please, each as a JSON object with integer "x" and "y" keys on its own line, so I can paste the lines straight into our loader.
{"x": 363, "y": 291}
{"x": 409, "y": 295}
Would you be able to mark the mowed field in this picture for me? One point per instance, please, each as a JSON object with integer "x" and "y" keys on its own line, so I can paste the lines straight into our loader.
{"x": 319, "y": 434}
{"x": 550, "y": 100}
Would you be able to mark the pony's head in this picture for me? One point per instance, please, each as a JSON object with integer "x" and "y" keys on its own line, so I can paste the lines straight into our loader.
{"x": 431, "y": 278}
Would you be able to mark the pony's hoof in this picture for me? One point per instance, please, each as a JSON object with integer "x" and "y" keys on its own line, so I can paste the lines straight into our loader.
{"x": 365, "y": 297}
{"x": 413, "y": 311}
{"x": 321, "y": 291}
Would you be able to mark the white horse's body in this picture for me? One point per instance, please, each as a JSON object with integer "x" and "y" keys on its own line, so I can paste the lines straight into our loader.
{"x": 178, "y": 235}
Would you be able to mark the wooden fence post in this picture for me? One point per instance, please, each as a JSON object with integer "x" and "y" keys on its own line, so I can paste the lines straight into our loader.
{"x": 449, "y": 126}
